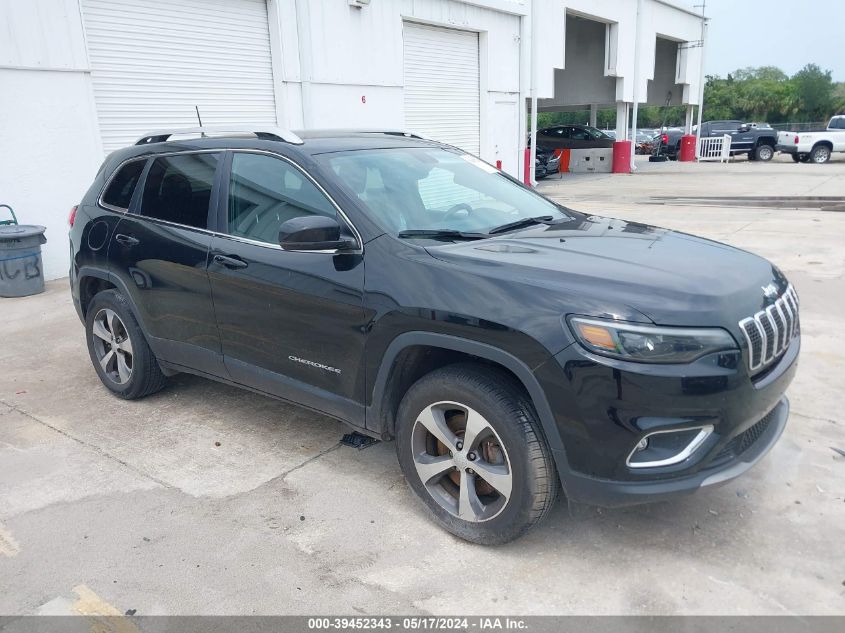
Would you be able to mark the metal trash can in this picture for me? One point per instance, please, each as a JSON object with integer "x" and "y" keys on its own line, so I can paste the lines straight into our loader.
{"x": 21, "y": 272}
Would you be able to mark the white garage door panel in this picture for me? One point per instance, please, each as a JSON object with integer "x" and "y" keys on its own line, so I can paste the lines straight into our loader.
{"x": 442, "y": 85}
{"x": 153, "y": 61}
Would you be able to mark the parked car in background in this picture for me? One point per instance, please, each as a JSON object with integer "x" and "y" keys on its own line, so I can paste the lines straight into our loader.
{"x": 546, "y": 162}
{"x": 645, "y": 143}
{"x": 572, "y": 137}
{"x": 757, "y": 142}
{"x": 814, "y": 146}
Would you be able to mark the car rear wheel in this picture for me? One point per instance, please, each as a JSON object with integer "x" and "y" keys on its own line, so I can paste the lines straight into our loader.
{"x": 820, "y": 154}
{"x": 119, "y": 352}
{"x": 472, "y": 450}
{"x": 764, "y": 153}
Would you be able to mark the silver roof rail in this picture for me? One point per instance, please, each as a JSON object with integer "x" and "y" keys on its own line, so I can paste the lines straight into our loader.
{"x": 407, "y": 133}
{"x": 266, "y": 133}
{"x": 328, "y": 132}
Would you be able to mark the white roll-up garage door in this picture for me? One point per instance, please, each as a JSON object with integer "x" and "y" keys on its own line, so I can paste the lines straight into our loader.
{"x": 441, "y": 85}
{"x": 152, "y": 61}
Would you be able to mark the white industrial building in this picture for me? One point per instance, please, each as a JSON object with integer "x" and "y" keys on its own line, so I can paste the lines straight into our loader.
{"x": 81, "y": 78}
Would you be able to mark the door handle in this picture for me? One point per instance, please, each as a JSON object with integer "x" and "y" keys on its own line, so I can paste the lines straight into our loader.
{"x": 127, "y": 240}
{"x": 230, "y": 262}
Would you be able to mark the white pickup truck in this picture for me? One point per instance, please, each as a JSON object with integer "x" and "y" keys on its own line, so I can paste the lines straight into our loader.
{"x": 815, "y": 146}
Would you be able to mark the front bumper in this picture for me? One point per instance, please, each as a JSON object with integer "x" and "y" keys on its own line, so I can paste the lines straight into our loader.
{"x": 610, "y": 493}
{"x": 603, "y": 408}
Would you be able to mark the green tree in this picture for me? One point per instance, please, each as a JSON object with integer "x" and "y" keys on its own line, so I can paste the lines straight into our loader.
{"x": 814, "y": 89}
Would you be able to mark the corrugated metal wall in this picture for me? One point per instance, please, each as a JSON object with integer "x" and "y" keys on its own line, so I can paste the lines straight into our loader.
{"x": 153, "y": 61}
{"x": 442, "y": 98}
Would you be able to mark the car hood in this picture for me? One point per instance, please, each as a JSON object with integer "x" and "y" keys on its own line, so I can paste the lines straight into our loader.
{"x": 628, "y": 270}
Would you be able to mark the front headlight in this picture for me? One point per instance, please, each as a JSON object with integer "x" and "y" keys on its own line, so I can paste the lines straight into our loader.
{"x": 649, "y": 343}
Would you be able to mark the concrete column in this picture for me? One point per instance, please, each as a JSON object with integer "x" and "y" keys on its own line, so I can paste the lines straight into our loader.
{"x": 621, "y": 120}
{"x": 688, "y": 122}
{"x": 594, "y": 113}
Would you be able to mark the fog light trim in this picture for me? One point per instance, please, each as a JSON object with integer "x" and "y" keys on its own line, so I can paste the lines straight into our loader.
{"x": 703, "y": 433}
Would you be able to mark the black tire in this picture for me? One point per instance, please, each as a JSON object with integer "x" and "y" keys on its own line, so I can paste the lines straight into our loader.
{"x": 516, "y": 438}
{"x": 145, "y": 376}
{"x": 796, "y": 158}
{"x": 805, "y": 158}
{"x": 751, "y": 156}
{"x": 820, "y": 154}
{"x": 764, "y": 152}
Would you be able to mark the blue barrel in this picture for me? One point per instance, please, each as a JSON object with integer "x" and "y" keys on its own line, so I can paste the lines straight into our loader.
{"x": 21, "y": 271}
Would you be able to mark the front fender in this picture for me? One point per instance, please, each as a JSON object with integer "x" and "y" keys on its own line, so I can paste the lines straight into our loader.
{"x": 475, "y": 348}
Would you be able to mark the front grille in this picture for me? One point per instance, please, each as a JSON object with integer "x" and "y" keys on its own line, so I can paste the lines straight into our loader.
{"x": 745, "y": 440}
{"x": 769, "y": 332}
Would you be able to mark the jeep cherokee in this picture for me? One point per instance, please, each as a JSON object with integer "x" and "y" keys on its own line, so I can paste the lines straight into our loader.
{"x": 512, "y": 347}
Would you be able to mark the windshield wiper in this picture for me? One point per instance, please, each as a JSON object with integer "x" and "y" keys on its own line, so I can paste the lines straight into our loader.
{"x": 518, "y": 224}
{"x": 447, "y": 233}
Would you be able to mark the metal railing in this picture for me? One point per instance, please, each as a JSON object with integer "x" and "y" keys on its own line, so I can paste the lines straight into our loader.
{"x": 715, "y": 148}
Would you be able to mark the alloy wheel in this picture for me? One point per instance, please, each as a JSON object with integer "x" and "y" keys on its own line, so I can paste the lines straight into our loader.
{"x": 461, "y": 461}
{"x": 112, "y": 346}
{"x": 821, "y": 155}
{"x": 765, "y": 153}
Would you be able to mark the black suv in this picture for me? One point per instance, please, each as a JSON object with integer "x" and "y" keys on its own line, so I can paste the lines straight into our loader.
{"x": 512, "y": 347}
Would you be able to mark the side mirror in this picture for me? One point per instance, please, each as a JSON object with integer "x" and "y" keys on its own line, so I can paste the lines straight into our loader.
{"x": 743, "y": 128}
{"x": 312, "y": 233}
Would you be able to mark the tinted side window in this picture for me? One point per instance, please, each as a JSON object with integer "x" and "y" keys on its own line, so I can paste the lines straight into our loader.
{"x": 178, "y": 189}
{"x": 122, "y": 186}
{"x": 265, "y": 192}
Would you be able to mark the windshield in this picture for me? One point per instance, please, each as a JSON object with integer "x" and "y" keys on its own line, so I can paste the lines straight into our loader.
{"x": 596, "y": 133}
{"x": 429, "y": 188}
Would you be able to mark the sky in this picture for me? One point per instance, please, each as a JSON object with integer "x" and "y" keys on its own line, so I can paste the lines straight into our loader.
{"x": 783, "y": 33}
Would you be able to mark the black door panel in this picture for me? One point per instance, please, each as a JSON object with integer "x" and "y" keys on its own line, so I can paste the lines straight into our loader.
{"x": 291, "y": 323}
{"x": 160, "y": 253}
{"x": 165, "y": 273}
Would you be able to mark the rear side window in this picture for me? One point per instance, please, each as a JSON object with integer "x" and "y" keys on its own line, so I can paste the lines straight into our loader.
{"x": 178, "y": 189}
{"x": 265, "y": 192}
{"x": 119, "y": 192}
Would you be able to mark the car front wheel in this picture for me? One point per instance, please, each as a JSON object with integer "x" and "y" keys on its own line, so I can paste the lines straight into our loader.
{"x": 471, "y": 448}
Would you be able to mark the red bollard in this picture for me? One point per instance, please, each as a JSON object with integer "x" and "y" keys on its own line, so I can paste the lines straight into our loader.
{"x": 622, "y": 157}
{"x": 687, "y": 152}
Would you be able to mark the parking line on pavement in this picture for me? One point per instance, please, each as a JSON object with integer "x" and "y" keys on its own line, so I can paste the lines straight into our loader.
{"x": 8, "y": 545}
{"x": 91, "y": 604}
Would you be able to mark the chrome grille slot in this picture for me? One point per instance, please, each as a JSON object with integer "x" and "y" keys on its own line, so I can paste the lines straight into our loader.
{"x": 770, "y": 331}
{"x": 771, "y": 334}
